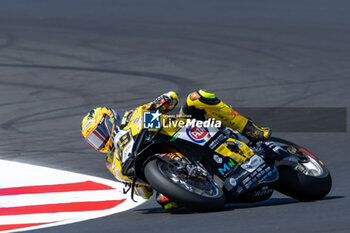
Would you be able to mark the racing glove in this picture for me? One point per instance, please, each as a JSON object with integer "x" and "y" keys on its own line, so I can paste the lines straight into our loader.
{"x": 165, "y": 102}
{"x": 256, "y": 133}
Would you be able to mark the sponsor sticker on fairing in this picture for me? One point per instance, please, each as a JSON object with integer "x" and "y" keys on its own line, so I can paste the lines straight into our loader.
{"x": 216, "y": 142}
{"x": 198, "y": 134}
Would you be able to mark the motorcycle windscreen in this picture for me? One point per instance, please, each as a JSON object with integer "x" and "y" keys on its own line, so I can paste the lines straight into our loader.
{"x": 109, "y": 125}
{"x": 118, "y": 115}
{"x": 113, "y": 124}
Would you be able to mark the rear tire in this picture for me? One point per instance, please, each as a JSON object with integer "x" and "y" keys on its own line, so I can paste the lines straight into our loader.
{"x": 303, "y": 183}
{"x": 160, "y": 178}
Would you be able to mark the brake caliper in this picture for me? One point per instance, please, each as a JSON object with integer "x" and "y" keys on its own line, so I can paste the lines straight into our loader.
{"x": 299, "y": 154}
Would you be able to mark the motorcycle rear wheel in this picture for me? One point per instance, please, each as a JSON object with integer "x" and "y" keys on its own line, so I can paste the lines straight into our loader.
{"x": 309, "y": 180}
{"x": 196, "y": 195}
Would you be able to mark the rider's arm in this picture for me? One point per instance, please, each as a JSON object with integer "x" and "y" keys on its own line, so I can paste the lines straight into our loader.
{"x": 164, "y": 103}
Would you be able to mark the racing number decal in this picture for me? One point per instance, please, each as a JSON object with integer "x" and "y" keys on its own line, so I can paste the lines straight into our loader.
{"x": 123, "y": 141}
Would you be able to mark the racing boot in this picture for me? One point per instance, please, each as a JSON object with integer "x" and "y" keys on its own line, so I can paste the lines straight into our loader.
{"x": 165, "y": 202}
{"x": 165, "y": 102}
{"x": 255, "y": 133}
{"x": 201, "y": 103}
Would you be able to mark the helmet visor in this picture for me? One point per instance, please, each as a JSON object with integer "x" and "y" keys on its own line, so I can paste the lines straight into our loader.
{"x": 98, "y": 137}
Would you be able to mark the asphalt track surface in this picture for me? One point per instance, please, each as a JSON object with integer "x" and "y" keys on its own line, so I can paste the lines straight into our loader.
{"x": 59, "y": 59}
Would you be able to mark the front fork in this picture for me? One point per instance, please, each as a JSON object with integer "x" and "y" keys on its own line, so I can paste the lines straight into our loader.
{"x": 180, "y": 162}
{"x": 272, "y": 151}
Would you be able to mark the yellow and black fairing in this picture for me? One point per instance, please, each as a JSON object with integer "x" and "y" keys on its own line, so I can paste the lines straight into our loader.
{"x": 221, "y": 154}
{"x": 130, "y": 128}
{"x": 132, "y": 131}
{"x": 154, "y": 142}
{"x": 229, "y": 160}
{"x": 231, "y": 151}
{"x": 125, "y": 139}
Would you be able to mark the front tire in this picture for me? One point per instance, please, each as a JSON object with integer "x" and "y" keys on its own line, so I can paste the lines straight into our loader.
{"x": 309, "y": 180}
{"x": 167, "y": 180}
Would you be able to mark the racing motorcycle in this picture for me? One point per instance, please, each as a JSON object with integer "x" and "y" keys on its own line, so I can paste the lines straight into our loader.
{"x": 203, "y": 166}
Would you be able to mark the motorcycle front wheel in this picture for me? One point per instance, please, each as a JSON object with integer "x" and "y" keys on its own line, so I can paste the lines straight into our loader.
{"x": 309, "y": 180}
{"x": 195, "y": 193}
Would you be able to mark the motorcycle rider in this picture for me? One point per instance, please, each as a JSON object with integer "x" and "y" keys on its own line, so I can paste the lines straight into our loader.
{"x": 199, "y": 104}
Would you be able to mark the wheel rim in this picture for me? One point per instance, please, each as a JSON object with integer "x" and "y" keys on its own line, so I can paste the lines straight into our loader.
{"x": 311, "y": 167}
{"x": 206, "y": 188}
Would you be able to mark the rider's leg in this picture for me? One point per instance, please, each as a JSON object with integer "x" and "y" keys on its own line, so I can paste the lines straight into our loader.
{"x": 201, "y": 103}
